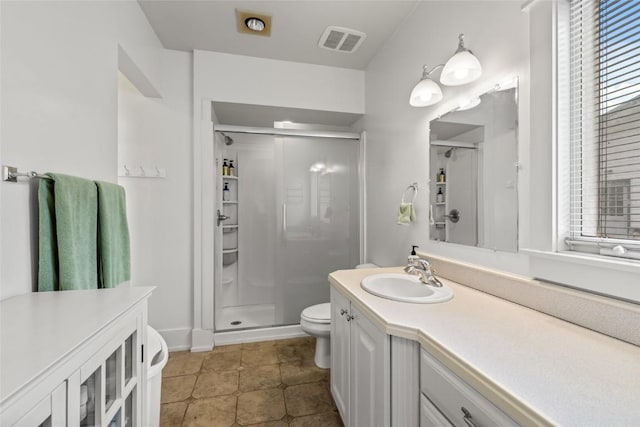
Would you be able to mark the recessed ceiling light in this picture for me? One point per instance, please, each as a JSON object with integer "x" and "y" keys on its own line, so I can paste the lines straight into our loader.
{"x": 254, "y": 24}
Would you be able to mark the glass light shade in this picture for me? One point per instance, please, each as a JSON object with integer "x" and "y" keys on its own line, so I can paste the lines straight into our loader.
{"x": 425, "y": 93}
{"x": 460, "y": 69}
{"x": 469, "y": 104}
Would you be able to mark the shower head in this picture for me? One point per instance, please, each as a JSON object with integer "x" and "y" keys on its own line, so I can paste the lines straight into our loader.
{"x": 448, "y": 153}
{"x": 227, "y": 139}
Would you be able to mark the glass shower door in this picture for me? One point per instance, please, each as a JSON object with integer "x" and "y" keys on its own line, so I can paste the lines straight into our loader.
{"x": 294, "y": 215}
{"x": 318, "y": 223}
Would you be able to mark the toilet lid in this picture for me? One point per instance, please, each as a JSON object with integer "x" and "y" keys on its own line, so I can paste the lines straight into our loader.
{"x": 319, "y": 313}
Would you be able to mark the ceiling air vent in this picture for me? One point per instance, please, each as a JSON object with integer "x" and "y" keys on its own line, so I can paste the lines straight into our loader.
{"x": 341, "y": 39}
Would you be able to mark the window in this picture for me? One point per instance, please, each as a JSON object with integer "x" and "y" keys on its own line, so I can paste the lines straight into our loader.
{"x": 605, "y": 127}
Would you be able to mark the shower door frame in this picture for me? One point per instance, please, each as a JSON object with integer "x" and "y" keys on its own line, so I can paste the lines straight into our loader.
{"x": 205, "y": 197}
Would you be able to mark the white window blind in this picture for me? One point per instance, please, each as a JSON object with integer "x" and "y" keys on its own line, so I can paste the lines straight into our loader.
{"x": 605, "y": 127}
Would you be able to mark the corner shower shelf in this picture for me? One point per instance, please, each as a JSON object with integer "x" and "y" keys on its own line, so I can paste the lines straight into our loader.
{"x": 440, "y": 203}
{"x": 440, "y": 224}
{"x": 229, "y": 177}
{"x": 441, "y": 183}
{"x": 230, "y": 202}
{"x": 230, "y": 251}
{"x": 229, "y": 228}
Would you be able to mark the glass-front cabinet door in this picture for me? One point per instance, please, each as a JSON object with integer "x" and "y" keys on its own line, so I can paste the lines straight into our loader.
{"x": 109, "y": 391}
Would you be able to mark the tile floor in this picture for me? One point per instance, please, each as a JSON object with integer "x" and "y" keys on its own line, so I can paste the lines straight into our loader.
{"x": 266, "y": 384}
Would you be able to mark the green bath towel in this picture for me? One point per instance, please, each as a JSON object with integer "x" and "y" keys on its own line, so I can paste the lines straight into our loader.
{"x": 68, "y": 228}
{"x": 113, "y": 235}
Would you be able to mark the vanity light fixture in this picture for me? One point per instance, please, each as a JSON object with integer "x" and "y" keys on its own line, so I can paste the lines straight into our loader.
{"x": 426, "y": 92}
{"x": 462, "y": 68}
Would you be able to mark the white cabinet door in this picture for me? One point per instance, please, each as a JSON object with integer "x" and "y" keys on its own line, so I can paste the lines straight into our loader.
{"x": 369, "y": 400}
{"x": 340, "y": 352}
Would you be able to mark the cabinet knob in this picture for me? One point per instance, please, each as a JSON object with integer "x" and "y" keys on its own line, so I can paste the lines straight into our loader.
{"x": 467, "y": 417}
{"x": 343, "y": 312}
{"x": 349, "y": 318}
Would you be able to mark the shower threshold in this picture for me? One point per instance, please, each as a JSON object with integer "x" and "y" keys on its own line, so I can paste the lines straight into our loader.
{"x": 245, "y": 317}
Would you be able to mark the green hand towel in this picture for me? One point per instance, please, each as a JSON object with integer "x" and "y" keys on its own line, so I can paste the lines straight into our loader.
{"x": 406, "y": 214}
{"x": 113, "y": 235}
{"x": 68, "y": 225}
{"x": 47, "y": 239}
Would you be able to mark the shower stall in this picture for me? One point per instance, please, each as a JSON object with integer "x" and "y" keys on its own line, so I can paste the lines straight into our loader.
{"x": 288, "y": 214}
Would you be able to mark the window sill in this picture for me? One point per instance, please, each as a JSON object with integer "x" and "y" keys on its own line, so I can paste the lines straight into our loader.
{"x": 615, "y": 277}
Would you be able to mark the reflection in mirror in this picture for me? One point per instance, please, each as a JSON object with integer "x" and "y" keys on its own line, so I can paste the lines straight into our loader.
{"x": 473, "y": 166}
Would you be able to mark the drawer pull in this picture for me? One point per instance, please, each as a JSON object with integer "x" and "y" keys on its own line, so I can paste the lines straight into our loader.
{"x": 467, "y": 417}
{"x": 343, "y": 312}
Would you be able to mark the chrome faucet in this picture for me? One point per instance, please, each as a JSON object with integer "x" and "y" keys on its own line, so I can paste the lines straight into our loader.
{"x": 422, "y": 268}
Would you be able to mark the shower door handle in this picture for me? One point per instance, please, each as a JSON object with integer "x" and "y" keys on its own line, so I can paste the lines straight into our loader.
{"x": 284, "y": 217}
{"x": 222, "y": 217}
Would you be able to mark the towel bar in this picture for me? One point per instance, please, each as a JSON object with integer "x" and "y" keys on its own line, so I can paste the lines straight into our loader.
{"x": 11, "y": 174}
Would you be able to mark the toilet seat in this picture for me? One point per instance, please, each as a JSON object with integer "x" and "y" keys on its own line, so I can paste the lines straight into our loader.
{"x": 319, "y": 313}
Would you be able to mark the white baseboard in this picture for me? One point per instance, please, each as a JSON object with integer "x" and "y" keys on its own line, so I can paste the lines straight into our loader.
{"x": 177, "y": 339}
{"x": 201, "y": 340}
{"x": 253, "y": 335}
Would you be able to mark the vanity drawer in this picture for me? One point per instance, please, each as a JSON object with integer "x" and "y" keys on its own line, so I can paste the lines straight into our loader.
{"x": 462, "y": 405}
{"x": 430, "y": 416}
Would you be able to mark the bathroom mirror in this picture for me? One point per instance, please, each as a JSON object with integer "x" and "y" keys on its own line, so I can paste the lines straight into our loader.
{"x": 473, "y": 171}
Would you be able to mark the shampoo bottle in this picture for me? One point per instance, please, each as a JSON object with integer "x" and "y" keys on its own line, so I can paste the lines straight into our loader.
{"x": 226, "y": 192}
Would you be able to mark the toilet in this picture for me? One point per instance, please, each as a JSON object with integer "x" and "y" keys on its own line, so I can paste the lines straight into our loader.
{"x": 316, "y": 321}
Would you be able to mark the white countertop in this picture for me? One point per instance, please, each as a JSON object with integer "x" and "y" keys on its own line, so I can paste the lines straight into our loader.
{"x": 538, "y": 369}
{"x": 53, "y": 323}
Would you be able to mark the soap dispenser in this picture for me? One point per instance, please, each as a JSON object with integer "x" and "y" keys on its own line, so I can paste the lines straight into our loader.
{"x": 413, "y": 254}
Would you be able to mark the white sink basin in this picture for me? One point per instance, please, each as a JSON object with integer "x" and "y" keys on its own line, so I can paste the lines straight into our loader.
{"x": 405, "y": 288}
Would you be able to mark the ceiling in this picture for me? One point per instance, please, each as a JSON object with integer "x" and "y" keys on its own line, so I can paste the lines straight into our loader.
{"x": 296, "y": 27}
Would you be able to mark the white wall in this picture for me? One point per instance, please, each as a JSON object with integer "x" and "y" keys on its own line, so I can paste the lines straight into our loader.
{"x": 397, "y": 134}
{"x": 59, "y": 103}
{"x": 248, "y": 80}
{"x": 157, "y": 132}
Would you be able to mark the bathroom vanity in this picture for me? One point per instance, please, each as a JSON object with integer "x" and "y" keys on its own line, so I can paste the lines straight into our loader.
{"x": 74, "y": 358}
{"x": 476, "y": 360}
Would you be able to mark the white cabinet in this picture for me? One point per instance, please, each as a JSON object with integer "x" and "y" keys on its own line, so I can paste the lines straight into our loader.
{"x": 73, "y": 358}
{"x": 49, "y": 412}
{"x": 360, "y": 366}
{"x": 449, "y": 401}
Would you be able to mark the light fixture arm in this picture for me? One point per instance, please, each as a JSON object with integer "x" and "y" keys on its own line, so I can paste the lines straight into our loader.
{"x": 426, "y": 73}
